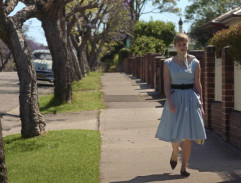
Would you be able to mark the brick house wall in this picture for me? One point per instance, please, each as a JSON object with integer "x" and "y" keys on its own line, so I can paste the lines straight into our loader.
{"x": 235, "y": 128}
{"x": 216, "y": 117}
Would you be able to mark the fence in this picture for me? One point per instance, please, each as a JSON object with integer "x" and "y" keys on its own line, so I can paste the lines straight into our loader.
{"x": 220, "y": 84}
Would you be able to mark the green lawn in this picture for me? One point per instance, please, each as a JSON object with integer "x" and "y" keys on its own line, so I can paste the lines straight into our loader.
{"x": 59, "y": 156}
{"x": 86, "y": 96}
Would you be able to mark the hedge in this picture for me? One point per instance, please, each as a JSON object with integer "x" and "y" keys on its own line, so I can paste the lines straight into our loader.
{"x": 144, "y": 44}
{"x": 228, "y": 37}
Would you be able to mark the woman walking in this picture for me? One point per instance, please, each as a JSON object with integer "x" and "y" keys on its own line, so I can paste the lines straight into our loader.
{"x": 182, "y": 117}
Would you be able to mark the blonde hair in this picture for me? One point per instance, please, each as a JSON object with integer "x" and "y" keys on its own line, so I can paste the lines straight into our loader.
{"x": 180, "y": 37}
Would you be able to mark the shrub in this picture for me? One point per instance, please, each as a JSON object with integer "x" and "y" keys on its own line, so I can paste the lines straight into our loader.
{"x": 152, "y": 36}
{"x": 220, "y": 40}
{"x": 123, "y": 53}
{"x": 146, "y": 44}
{"x": 157, "y": 29}
{"x": 116, "y": 59}
{"x": 229, "y": 37}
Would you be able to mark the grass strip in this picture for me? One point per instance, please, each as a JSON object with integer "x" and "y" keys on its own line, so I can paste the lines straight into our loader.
{"x": 90, "y": 82}
{"x": 85, "y": 97}
{"x": 59, "y": 156}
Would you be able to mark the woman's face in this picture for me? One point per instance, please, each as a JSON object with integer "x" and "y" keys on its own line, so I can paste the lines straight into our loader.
{"x": 181, "y": 47}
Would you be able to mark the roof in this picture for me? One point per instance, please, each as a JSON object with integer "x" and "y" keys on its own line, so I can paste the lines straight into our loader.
{"x": 235, "y": 13}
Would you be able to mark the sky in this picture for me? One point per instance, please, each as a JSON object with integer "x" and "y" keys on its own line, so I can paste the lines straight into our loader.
{"x": 35, "y": 28}
{"x": 168, "y": 17}
{"x": 37, "y": 34}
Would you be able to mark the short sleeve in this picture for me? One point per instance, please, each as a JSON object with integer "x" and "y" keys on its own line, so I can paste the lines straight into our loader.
{"x": 167, "y": 62}
{"x": 195, "y": 63}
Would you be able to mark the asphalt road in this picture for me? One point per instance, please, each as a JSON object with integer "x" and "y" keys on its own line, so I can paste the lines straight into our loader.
{"x": 9, "y": 90}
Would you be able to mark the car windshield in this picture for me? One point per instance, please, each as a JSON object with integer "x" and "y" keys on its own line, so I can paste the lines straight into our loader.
{"x": 42, "y": 56}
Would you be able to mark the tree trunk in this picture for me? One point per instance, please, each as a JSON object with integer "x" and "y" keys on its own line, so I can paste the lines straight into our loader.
{"x": 61, "y": 59}
{"x": 93, "y": 59}
{"x": 3, "y": 167}
{"x": 4, "y": 61}
{"x": 92, "y": 56}
{"x": 81, "y": 54}
{"x": 75, "y": 65}
{"x": 83, "y": 58}
{"x": 33, "y": 123}
{"x": 11, "y": 34}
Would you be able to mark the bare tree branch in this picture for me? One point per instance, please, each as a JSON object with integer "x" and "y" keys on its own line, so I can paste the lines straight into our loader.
{"x": 10, "y": 5}
{"x": 26, "y": 13}
{"x": 71, "y": 16}
{"x": 152, "y": 11}
{"x": 79, "y": 8}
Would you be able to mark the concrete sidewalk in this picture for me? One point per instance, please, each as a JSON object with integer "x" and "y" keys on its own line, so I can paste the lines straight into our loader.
{"x": 131, "y": 153}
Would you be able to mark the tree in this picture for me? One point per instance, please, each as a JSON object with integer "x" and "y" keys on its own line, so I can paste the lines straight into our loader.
{"x": 137, "y": 7}
{"x": 164, "y": 31}
{"x": 52, "y": 20}
{"x": 77, "y": 26}
{"x": 202, "y": 11}
{"x": 11, "y": 34}
{"x": 96, "y": 27}
{"x": 111, "y": 22}
{"x": 144, "y": 44}
{"x": 152, "y": 36}
{"x": 116, "y": 25}
{"x": 65, "y": 64}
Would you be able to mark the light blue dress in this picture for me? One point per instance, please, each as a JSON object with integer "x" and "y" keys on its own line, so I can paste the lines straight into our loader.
{"x": 187, "y": 121}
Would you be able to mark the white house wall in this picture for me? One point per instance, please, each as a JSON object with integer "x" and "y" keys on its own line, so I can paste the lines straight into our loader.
{"x": 218, "y": 79}
{"x": 237, "y": 88}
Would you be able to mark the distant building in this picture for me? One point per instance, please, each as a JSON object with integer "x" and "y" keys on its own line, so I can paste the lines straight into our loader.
{"x": 224, "y": 21}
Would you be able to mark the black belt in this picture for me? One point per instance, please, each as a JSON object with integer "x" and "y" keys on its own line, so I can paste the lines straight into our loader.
{"x": 182, "y": 86}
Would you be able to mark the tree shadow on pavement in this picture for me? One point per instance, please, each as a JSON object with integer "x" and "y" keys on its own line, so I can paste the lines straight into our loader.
{"x": 45, "y": 84}
{"x": 230, "y": 181}
{"x": 152, "y": 178}
{"x": 217, "y": 156}
{"x": 148, "y": 96}
{"x": 214, "y": 156}
{"x": 8, "y": 114}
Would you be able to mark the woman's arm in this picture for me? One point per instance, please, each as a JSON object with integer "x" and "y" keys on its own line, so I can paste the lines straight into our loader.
{"x": 167, "y": 83}
{"x": 197, "y": 84}
{"x": 167, "y": 88}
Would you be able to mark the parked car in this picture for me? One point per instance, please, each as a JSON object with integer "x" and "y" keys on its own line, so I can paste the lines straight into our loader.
{"x": 43, "y": 63}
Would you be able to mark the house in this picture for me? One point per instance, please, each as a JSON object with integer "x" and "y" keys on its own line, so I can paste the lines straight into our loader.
{"x": 224, "y": 21}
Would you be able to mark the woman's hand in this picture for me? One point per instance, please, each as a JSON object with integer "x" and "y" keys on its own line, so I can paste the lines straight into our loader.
{"x": 172, "y": 107}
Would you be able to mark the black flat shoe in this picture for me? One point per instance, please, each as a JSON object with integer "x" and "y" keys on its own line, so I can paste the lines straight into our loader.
{"x": 173, "y": 164}
{"x": 184, "y": 173}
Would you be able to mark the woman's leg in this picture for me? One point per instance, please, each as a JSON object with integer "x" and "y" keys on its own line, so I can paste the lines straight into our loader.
{"x": 186, "y": 150}
{"x": 175, "y": 147}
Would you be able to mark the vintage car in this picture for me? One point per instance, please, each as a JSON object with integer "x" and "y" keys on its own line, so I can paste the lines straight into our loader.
{"x": 43, "y": 63}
